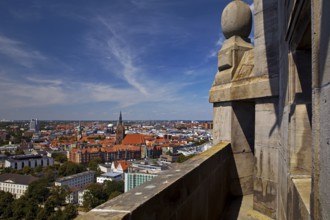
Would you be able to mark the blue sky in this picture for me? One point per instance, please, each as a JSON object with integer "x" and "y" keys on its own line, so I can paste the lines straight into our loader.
{"x": 88, "y": 60}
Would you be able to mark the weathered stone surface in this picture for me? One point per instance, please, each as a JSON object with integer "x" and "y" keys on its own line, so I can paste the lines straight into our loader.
{"x": 256, "y": 87}
{"x": 236, "y": 19}
{"x": 241, "y": 186}
{"x": 300, "y": 150}
{"x": 325, "y": 151}
{"x": 266, "y": 154}
{"x": 265, "y": 196}
{"x": 244, "y": 163}
{"x": 242, "y": 208}
{"x": 222, "y": 114}
{"x": 266, "y": 128}
{"x": 225, "y": 59}
{"x": 266, "y": 163}
{"x": 283, "y": 186}
{"x": 229, "y": 58}
{"x": 266, "y": 38}
{"x": 298, "y": 199}
{"x": 242, "y": 127}
{"x": 245, "y": 67}
{"x": 324, "y": 108}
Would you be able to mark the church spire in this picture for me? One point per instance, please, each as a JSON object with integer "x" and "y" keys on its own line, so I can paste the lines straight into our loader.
{"x": 120, "y": 130}
{"x": 120, "y": 119}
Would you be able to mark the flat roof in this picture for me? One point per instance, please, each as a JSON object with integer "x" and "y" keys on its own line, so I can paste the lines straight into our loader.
{"x": 25, "y": 157}
{"x": 75, "y": 176}
{"x": 111, "y": 174}
{"x": 17, "y": 178}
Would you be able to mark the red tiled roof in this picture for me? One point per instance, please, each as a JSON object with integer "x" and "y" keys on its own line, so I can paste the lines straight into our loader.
{"x": 121, "y": 148}
{"x": 124, "y": 164}
{"x": 134, "y": 139}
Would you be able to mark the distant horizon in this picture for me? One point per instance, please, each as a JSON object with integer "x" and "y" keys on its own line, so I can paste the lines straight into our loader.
{"x": 127, "y": 120}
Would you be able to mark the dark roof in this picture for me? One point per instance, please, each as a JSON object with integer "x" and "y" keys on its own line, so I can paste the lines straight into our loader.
{"x": 25, "y": 157}
{"x": 17, "y": 178}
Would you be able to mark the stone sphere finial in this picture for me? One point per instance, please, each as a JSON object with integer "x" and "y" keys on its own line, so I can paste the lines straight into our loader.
{"x": 236, "y": 19}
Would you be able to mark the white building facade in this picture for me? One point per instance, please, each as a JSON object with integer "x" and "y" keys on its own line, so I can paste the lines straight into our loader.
{"x": 15, "y": 184}
{"x": 110, "y": 176}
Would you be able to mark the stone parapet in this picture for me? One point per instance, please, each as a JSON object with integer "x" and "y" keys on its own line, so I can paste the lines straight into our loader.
{"x": 196, "y": 189}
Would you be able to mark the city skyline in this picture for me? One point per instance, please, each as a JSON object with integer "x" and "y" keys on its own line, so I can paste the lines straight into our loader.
{"x": 80, "y": 60}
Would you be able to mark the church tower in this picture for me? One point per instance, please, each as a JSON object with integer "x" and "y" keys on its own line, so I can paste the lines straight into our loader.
{"x": 79, "y": 132}
{"x": 120, "y": 130}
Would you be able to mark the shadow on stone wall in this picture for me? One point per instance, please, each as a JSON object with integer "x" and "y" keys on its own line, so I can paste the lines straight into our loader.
{"x": 271, "y": 44}
{"x": 325, "y": 38}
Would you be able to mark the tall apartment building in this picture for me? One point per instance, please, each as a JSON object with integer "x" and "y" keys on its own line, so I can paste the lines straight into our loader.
{"x": 34, "y": 126}
{"x": 20, "y": 161}
{"x": 133, "y": 180}
{"x": 15, "y": 184}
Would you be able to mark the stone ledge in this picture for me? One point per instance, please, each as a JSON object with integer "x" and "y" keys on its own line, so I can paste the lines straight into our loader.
{"x": 255, "y": 87}
{"x": 299, "y": 198}
{"x": 303, "y": 187}
{"x": 196, "y": 189}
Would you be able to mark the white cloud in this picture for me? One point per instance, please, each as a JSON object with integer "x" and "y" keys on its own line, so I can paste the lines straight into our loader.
{"x": 110, "y": 46}
{"x": 118, "y": 42}
{"x": 44, "y": 81}
{"x": 19, "y": 53}
{"x": 39, "y": 92}
{"x": 217, "y": 46}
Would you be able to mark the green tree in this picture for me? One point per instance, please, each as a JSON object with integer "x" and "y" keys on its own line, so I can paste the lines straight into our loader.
{"x": 50, "y": 205}
{"x": 9, "y": 170}
{"x": 6, "y": 202}
{"x": 90, "y": 201}
{"x": 42, "y": 214}
{"x": 94, "y": 196}
{"x": 18, "y": 208}
{"x": 27, "y": 170}
{"x": 56, "y": 215}
{"x": 58, "y": 195}
{"x": 38, "y": 190}
{"x": 93, "y": 164}
{"x": 59, "y": 157}
{"x": 38, "y": 169}
{"x": 70, "y": 168}
{"x": 114, "y": 194}
{"x": 19, "y": 151}
{"x": 113, "y": 186}
{"x": 31, "y": 209}
{"x": 70, "y": 212}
